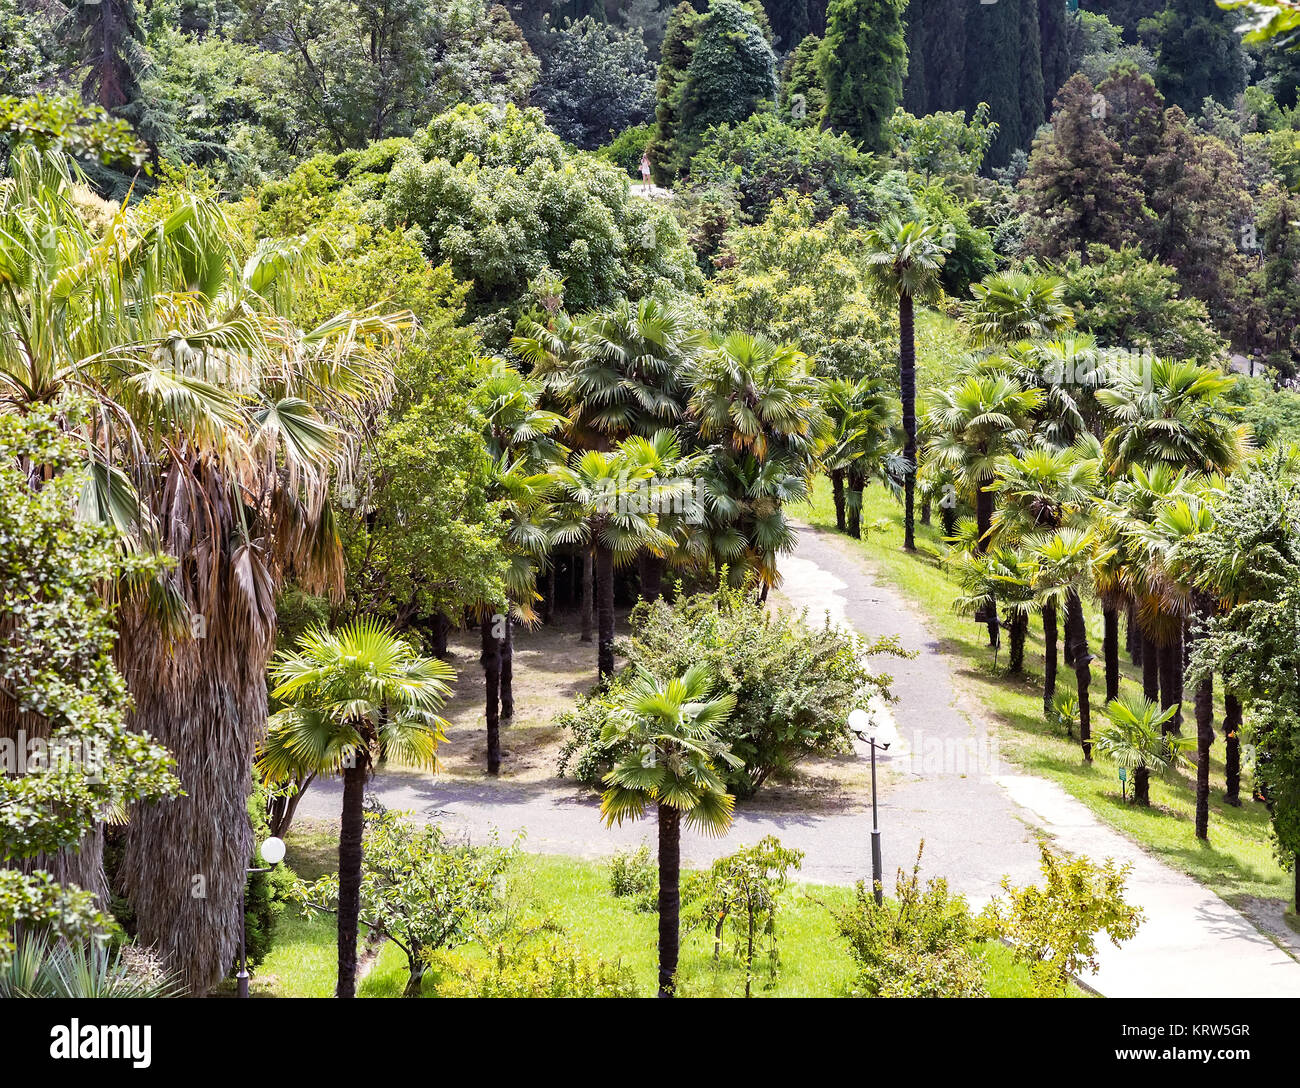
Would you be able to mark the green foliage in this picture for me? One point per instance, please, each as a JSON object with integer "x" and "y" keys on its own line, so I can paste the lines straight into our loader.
{"x": 39, "y": 968}
{"x": 914, "y": 945}
{"x": 1053, "y": 929}
{"x": 942, "y": 146}
{"x": 58, "y": 676}
{"x": 862, "y": 61}
{"x": 742, "y": 893}
{"x": 419, "y": 890}
{"x": 625, "y": 149}
{"x": 793, "y": 685}
{"x": 67, "y": 125}
{"x": 1133, "y": 737}
{"x": 794, "y": 280}
{"x": 761, "y": 158}
{"x": 634, "y": 875}
{"x": 1197, "y": 53}
{"x": 267, "y": 893}
{"x": 732, "y": 72}
{"x": 1127, "y": 301}
{"x": 527, "y": 968}
{"x": 596, "y": 81}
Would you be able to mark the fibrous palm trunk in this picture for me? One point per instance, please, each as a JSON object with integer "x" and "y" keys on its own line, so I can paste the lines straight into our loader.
{"x": 925, "y": 510}
{"x": 1232, "y": 746}
{"x": 651, "y": 569}
{"x": 490, "y": 658}
{"x": 1132, "y": 637}
{"x": 670, "y": 900}
{"x": 907, "y": 383}
{"x": 1050, "y": 632}
{"x": 837, "y": 493}
{"x": 1150, "y": 669}
{"x": 588, "y": 594}
{"x": 1078, "y": 636}
{"x": 855, "y": 505}
{"x": 204, "y": 698}
{"x": 1019, "y": 627}
{"x": 1142, "y": 785}
{"x": 1204, "y": 742}
{"x": 1171, "y": 682}
{"x": 350, "y": 832}
{"x": 1110, "y": 651}
{"x": 604, "y": 612}
{"x": 508, "y": 670}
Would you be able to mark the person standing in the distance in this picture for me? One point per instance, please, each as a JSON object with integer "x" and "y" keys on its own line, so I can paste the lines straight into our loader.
{"x": 645, "y": 171}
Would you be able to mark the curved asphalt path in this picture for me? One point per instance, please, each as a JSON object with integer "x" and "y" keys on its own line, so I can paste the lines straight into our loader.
{"x": 942, "y": 781}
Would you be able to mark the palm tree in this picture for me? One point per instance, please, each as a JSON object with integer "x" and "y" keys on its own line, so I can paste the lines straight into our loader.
{"x": 1136, "y": 741}
{"x": 354, "y": 696}
{"x": 217, "y": 427}
{"x": 667, "y": 734}
{"x": 759, "y": 411}
{"x": 903, "y": 262}
{"x": 861, "y": 421}
{"x": 1007, "y": 307}
{"x": 1063, "y": 572}
{"x": 607, "y": 491}
{"x": 1001, "y": 576}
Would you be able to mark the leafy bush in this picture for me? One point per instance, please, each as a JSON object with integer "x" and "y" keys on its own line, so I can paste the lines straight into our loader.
{"x": 794, "y": 684}
{"x": 1054, "y": 929}
{"x": 625, "y": 149}
{"x": 39, "y": 968}
{"x": 633, "y": 875}
{"x": 524, "y": 968}
{"x": 916, "y": 945}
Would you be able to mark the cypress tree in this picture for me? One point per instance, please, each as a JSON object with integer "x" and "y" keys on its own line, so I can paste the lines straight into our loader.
{"x": 1032, "y": 107}
{"x": 1054, "y": 47}
{"x": 863, "y": 60}
{"x": 993, "y": 73}
{"x": 666, "y": 156}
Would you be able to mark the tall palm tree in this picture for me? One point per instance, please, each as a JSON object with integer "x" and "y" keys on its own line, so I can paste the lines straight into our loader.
{"x": 607, "y": 491}
{"x": 758, "y": 410}
{"x": 1063, "y": 573}
{"x": 217, "y": 427}
{"x": 903, "y": 262}
{"x": 861, "y": 419}
{"x": 354, "y": 697}
{"x": 667, "y": 734}
{"x": 1007, "y": 307}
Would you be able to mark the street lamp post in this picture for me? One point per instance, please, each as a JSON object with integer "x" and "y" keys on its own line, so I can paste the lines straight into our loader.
{"x": 860, "y": 724}
{"x": 272, "y": 852}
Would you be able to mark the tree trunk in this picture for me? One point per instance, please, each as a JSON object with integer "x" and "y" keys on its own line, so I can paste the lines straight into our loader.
{"x": 604, "y": 612}
{"x": 1050, "y": 631}
{"x": 1204, "y": 741}
{"x": 441, "y": 628}
{"x": 948, "y": 518}
{"x": 651, "y": 569}
{"x": 925, "y": 510}
{"x": 1132, "y": 637}
{"x": 1232, "y": 744}
{"x": 837, "y": 493}
{"x": 1142, "y": 785}
{"x": 588, "y": 594}
{"x": 983, "y": 518}
{"x": 1171, "y": 683}
{"x": 548, "y": 595}
{"x": 1150, "y": 669}
{"x": 508, "y": 670}
{"x": 415, "y": 965}
{"x": 490, "y": 659}
{"x": 1110, "y": 651}
{"x": 907, "y": 383}
{"x": 670, "y": 900}
{"x": 855, "y": 505}
{"x": 1082, "y": 671}
{"x": 350, "y": 830}
{"x": 1019, "y": 627}
{"x": 1067, "y": 643}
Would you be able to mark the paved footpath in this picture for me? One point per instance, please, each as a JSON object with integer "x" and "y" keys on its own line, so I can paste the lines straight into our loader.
{"x": 942, "y": 782}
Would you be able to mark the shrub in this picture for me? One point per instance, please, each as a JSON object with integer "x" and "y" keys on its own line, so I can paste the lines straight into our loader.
{"x": 794, "y": 684}
{"x": 917, "y": 945}
{"x": 625, "y": 149}
{"x": 529, "y": 968}
{"x": 1053, "y": 929}
{"x": 633, "y": 875}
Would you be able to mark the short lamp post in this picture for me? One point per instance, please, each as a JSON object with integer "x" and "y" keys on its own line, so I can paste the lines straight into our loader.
{"x": 861, "y": 725}
{"x": 272, "y": 852}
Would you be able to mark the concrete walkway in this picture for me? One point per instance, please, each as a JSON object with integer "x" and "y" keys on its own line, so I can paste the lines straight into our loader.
{"x": 1192, "y": 944}
{"x": 942, "y": 782}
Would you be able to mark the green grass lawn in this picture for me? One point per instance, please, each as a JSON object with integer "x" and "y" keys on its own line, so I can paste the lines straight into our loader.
{"x": 575, "y": 895}
{"x": 1238, "y": 860}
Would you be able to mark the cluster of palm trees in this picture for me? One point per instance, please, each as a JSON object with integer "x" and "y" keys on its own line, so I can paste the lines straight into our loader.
{"x": 1088, "y": 473}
